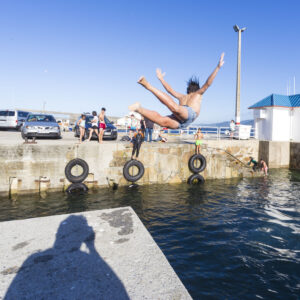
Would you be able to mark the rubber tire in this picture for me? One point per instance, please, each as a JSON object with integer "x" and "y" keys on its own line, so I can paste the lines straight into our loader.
{"x": 127, "y": 166}
{"x": 196, "y": 177}
{"x": 71, "y": 164}
{"x": 23, "y": 135}
{"x": 74, "y": 187}
{"x": 192, "y": 163}
{"x": 125, "y": 138}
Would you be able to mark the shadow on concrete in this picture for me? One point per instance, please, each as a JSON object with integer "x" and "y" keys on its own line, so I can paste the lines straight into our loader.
{"x": 71, "y": 269}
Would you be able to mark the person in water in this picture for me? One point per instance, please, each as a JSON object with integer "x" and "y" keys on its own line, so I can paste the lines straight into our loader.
{"x": 136, "y": 141}
{"x": 263, "y": 166}
{"x": 254, "y": 162}
{"x": 198, "y": 140}
{"x": 188, "y": 109}
{"x": 81, "y": 123}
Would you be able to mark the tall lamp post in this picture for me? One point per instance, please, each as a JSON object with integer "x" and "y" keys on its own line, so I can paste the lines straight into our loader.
{"x": 238, "y": 79}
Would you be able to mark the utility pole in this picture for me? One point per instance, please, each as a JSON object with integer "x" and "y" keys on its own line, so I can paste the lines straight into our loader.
{"x": 238, "y": 79}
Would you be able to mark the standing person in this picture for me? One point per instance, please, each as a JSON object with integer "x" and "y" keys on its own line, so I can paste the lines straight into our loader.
{"x": 94, "y": 127}
{"x": 133, "y": 125}
{"x": 143, "y": 125}
{"x": 198, "y": 141}
{"x": 136, "y": 141}
{"x": 188, "y": 109}
{"x": 264, "y": 167}
{"x": 81, "y": 123}
{"x": 149, "y": 129}
{"x": 232, "y": 129}
{"x": 102, "y": 124}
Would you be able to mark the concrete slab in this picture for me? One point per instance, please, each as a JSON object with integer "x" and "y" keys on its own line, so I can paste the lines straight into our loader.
{"x": 106, "y": 254}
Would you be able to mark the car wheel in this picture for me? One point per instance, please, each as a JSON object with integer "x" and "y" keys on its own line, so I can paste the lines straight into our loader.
{"x": 23, "y": 135}
{"x": 76, "y": 132}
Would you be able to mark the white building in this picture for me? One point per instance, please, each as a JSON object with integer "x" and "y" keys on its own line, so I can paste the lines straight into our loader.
{"x": 277, "y": 118}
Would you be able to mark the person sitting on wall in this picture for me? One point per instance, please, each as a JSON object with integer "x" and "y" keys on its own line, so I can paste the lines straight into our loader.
{"x": 263, "y": 166}
{"x": 137, "y": 141}
{"x": 254, "y": 162}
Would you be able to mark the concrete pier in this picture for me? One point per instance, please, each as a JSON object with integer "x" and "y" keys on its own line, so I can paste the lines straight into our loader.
{"x": 105, "y": 254}
{"x": 40, "y": 167}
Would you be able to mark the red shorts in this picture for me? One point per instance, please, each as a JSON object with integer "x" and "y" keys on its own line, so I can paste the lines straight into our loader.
{"x": 102, "y": 125}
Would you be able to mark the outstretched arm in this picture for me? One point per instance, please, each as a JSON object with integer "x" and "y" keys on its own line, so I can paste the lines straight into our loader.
{"x": 168, "y": 88}
{"x": 212, "y": 76}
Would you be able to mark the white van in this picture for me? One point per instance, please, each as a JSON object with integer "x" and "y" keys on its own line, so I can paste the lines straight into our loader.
{"x": 12, "y": 118}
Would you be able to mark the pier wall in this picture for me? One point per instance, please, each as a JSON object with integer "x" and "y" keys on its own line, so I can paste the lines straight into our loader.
{"x": 40, "y": 167}
{"x": 295, "y": 156}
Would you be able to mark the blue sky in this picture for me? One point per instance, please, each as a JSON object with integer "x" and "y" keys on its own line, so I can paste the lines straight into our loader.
{"x": 82, "y": 55}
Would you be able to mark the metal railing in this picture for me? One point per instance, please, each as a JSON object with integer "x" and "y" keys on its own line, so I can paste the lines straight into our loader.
{"x": 209, "y": 132}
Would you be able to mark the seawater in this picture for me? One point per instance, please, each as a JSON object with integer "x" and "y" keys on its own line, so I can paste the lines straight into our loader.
{"x": 226, "y": 239}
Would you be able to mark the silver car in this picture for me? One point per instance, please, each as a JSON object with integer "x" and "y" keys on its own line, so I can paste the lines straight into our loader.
{"x": 40, "y": 125}
{"x": 12, "y": 118}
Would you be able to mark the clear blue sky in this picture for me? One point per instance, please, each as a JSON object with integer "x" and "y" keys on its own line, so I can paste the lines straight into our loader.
{"x": 82, "y": 55}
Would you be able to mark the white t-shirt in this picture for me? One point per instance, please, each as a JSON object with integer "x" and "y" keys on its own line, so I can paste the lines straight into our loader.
{"x": 232, "y": 126}
{"x": 95, "y": 121}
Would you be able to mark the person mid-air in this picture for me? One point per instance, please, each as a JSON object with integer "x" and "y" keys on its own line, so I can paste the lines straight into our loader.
{"x": 188, "y": 109}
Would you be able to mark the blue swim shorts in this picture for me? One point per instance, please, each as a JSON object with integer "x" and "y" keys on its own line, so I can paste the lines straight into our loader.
{"x": 191, "y": 118}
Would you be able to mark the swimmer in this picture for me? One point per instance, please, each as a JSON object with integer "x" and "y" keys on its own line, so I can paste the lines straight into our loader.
{"x": 102, "y": 124}
{"x": 254, "y": 162}
{"x": 198, "y": 139}
{"x": 264, "y": 167}
{"x": 188, "y": 109}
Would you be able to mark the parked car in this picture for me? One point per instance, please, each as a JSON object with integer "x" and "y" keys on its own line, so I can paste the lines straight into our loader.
{"x": 12, "y": 118}
{"x": 110, "y": 133}
{"x": 40, "y": 125}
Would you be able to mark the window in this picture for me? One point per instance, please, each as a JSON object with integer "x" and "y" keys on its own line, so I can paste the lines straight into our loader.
{"x": 22, "y": 114}
{"x": 7, "y": 113}
{"x": 40, "y": 118}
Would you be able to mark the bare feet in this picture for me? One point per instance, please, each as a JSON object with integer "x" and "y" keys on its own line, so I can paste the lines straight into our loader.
{"x": 142, "y": 80}
{"x": 135, "y": 106}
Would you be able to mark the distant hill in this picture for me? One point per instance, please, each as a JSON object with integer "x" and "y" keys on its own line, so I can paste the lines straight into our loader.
{"x": 226, "y": 124}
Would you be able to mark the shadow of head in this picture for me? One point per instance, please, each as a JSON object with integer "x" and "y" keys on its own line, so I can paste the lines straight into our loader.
{"x": 68, "y": 270}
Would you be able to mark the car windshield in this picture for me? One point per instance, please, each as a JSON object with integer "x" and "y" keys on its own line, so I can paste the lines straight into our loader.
{"x": 7, "y": 113}
{"x": 40, "y": 118}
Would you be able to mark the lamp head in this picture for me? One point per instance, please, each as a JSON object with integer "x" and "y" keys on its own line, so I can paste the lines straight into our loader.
{"x": 236, "y": 28}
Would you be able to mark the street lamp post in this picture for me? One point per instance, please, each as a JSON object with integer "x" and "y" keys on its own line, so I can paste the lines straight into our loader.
{"x": 238, "y": 79}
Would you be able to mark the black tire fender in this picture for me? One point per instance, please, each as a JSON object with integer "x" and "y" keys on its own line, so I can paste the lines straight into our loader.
{"x": 72, "y": 163}
{"x": 130, "y": 164}
{"x": 196, "y": 179}
{"x": 192, "y": 161}
{"x": 75, "y": 188}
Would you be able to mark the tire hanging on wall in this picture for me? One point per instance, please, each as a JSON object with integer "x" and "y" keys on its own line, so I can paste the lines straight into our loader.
{"x": 77, "y": 188}
{"x": 192, "y": 165}
{"x": 79, "y": 178}
{"x": 130, "y": 164}
{"x": 196, "y": 179}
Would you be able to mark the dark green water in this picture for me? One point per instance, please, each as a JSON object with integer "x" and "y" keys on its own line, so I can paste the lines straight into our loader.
{"x": 226, "y": 239}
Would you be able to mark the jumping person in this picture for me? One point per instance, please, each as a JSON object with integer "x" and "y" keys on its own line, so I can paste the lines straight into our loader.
{"x": 198, "y": 140}
{"x": 188, "y": 109}
{"x": 94, "y": 127}
{"x": 81, "y": 124}
{"x": 136, "y": 141}
{"x": 102, "y": 124}
{"x": 264, "y": 167}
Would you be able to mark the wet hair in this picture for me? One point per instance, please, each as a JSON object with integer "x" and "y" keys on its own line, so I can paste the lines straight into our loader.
{"x": 103, "y": 108}
{"x": 199, "y": 129}
{"x": 193, "y": 85}
{"x": 94, "y": 113}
